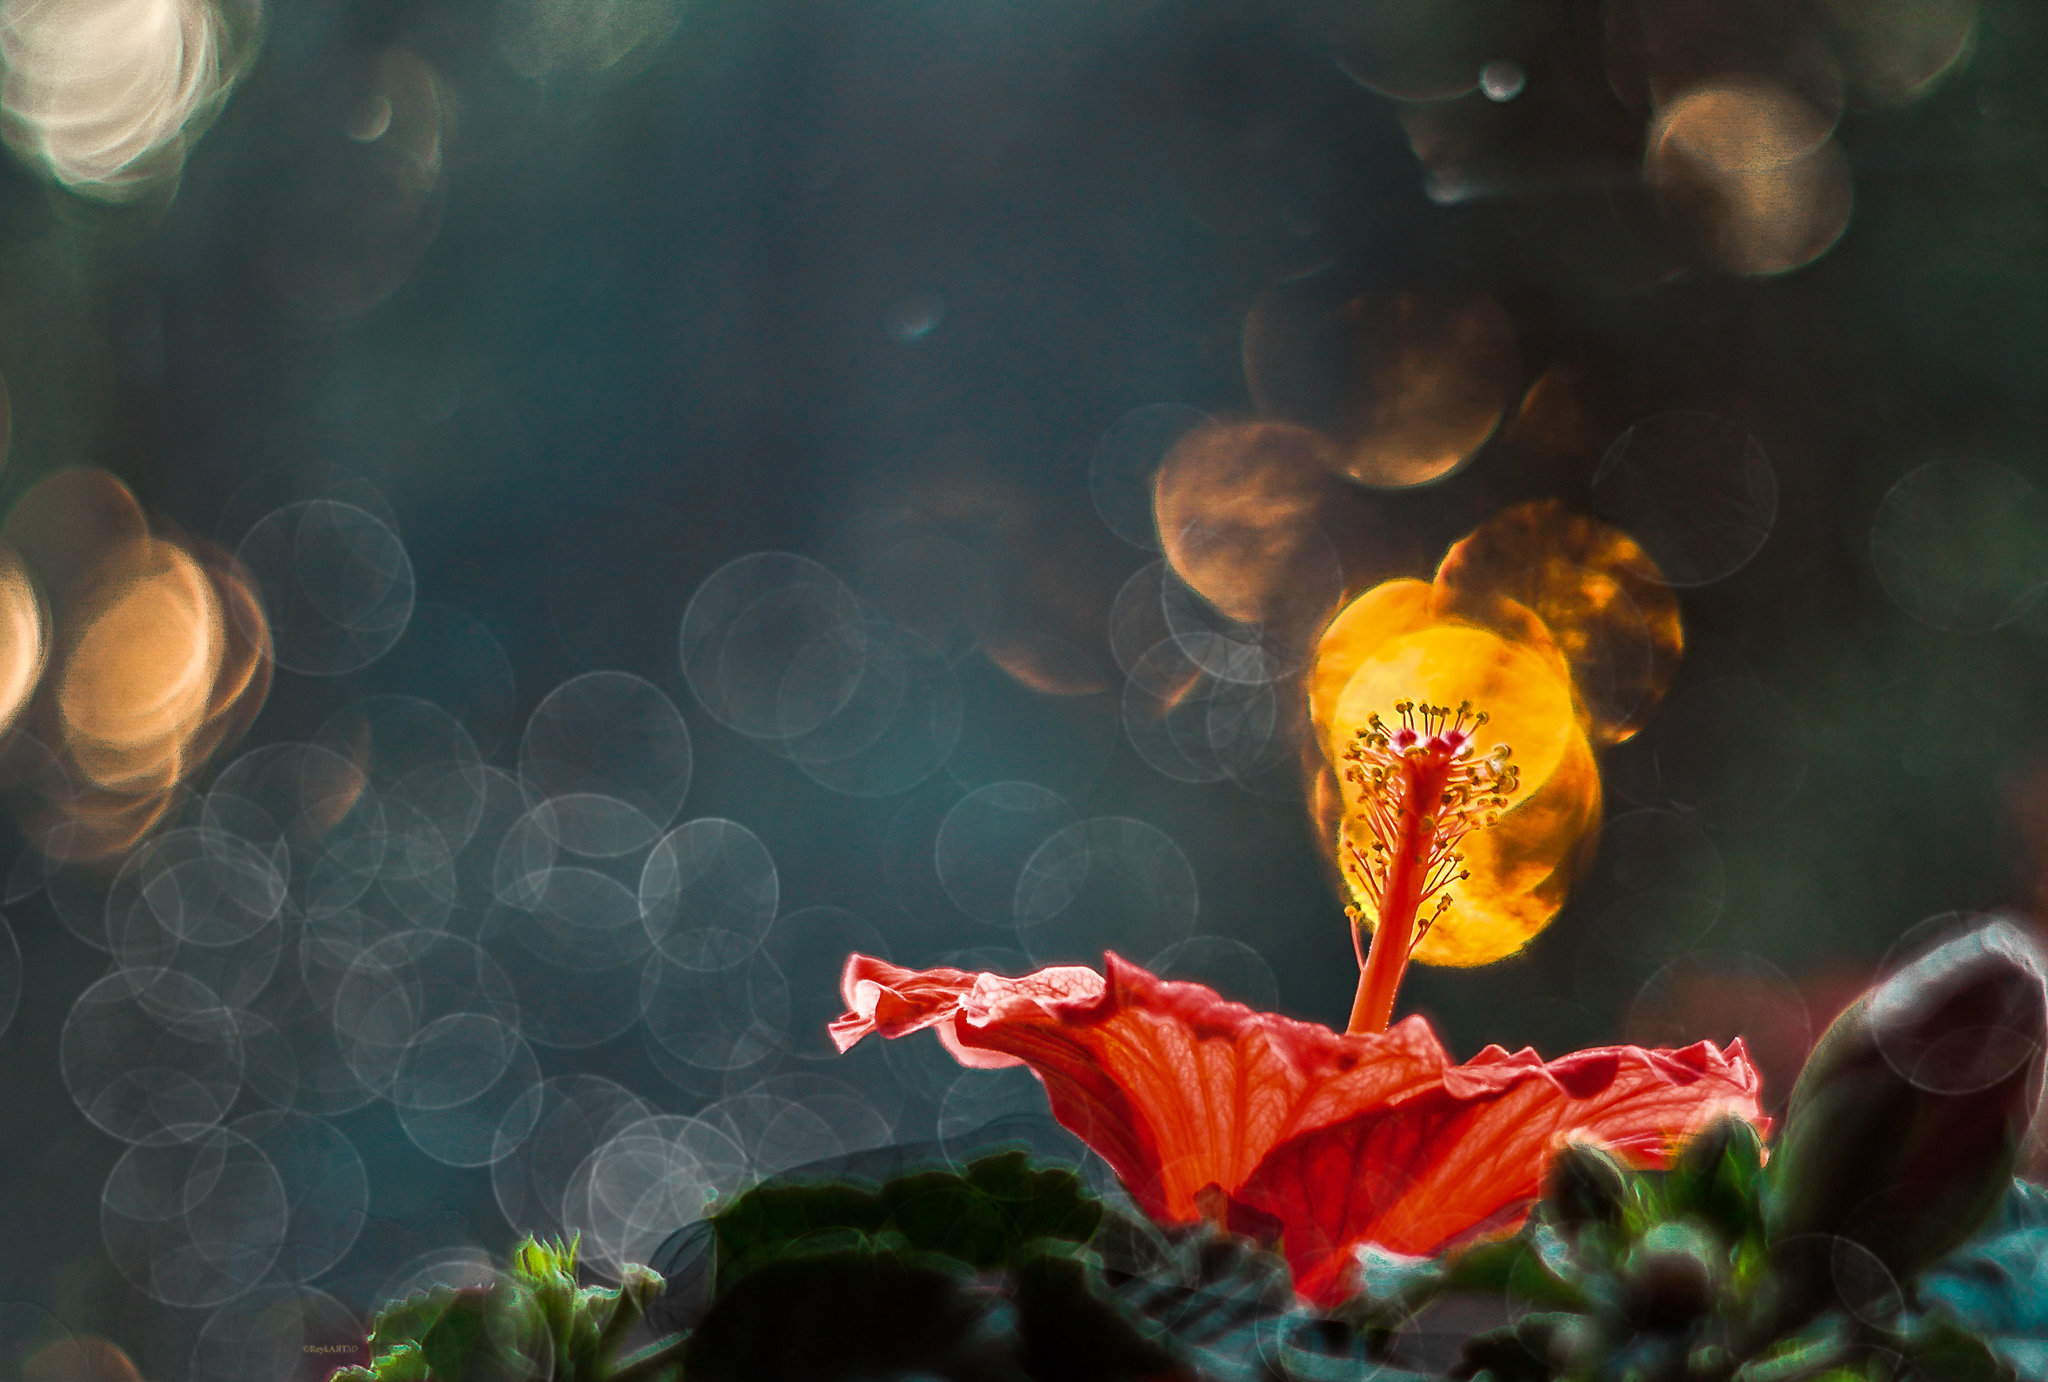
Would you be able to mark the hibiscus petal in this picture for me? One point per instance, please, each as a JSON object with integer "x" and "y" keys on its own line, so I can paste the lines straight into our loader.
{"x": 1467, "y": 1156}
{"x": 1175, "y": 1087}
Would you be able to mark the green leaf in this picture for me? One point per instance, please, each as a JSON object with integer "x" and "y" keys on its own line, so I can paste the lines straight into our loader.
{"x": 547, "y": 1262}
{"x": 1066, "y": 1330}
{"x": 1943, "y": 1351}
{"x": 1503, "y": 1355}
{"x": 1226, "y": 1307}
{"x": 852, "y": 1314}
{"x": 1996, "y": 1285}
{"x": 1391, "y": 1283}
{"x": 453, "y": 1341}
{"x": 406, "y": 1320}
{"x": 435, "y": 1332}
{"x": 1514, "y": 1268}
{"x": 399, "y": 1363}
{"x": 984, "y": 1217}
{"x": 1801, "y": 1356}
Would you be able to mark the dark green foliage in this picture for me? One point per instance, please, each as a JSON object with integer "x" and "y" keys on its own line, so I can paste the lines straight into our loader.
{"x": 1672, "y": 1276}
{"x": 967, "y": 1275}
{"x": 1227, "y": 1308}
{"x": 853, "y": 1314}
{"x": 1997, "y": 1286}
{"x": 982, "y": 1217}
{"x": 533, "y": 1324}
{"x": 455, "y": 1339}
{"x": 1940, "y": 1352}
{"x": 1004, "y": 1273}
{"x": 1067, "y": 1330}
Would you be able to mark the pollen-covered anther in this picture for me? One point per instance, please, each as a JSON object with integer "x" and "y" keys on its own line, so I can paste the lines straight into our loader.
{"x": 1422, "y": 788}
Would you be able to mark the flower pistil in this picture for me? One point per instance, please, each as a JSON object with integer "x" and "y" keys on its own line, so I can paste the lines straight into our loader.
{"x": 1422, "y": 787}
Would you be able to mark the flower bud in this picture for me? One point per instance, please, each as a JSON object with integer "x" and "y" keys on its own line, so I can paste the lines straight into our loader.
{"x": 1585, "y": 1186}
{"x": 1714, "y": 1179}
{"x": 1671, "y": 1278}
{"x": 1725, "y": 1144}
{"x": 1905, "y": 1123}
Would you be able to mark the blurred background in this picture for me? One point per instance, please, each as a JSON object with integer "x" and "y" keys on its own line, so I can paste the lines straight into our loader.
{"x": 536, "y": 527}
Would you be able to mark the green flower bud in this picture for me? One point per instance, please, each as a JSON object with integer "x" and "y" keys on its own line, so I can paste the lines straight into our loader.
{"x": 1715, "y": 1179}
{"x": 1586, "y": 1186}
{"x": 1671, "y": 1278}
{"x": 1726, "y": 1145}
{"x": 1904, "y": 1125}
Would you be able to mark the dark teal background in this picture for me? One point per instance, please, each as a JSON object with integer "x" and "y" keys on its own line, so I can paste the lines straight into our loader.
{"x": 651, "y": 322}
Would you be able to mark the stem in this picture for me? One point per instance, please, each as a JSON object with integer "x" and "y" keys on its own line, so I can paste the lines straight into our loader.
{"x": 650, "y": 1361}
{"x": 625, "y": 1314}
{"x": 1423, "y": 782}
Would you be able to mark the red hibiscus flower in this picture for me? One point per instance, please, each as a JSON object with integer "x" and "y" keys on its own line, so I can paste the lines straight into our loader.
{"x": 1206, "y": 1108}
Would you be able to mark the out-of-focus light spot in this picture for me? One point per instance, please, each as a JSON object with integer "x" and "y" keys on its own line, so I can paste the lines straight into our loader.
{"x": 1050, "y": 666}
{"x": 6, "y": 421}
{"x": 1447, "y": 187}
{"x": 246, "y": 660}
{"x": 159, "y": 654}
{"x": 139, "y": 669}
{"x": 1444, "y": 663}
{"x": 105, "y": 94}
{"x": 1657, "y": 51}
{"x": 1728, "y": 750}
{"x": 93, "y": 823}
{"x": 1388, "y": 610}
{"x": 1408, "y": 386}
{"x": 24, "y": 638}
{"x": 915, "y": 318}
{"x": 1892, "y": 52}
{"x": 64, "y": 527}
{"x": 1236, "y": 506}
{"x": 83, "y": 1358}
{"x": 409, "y": 95}
{"x": 1697, "y": 490}
{"x": 1523, "y": 867}
{"x": 1389, "y": 645}
{"x": 1603, "y": 600}
{"x": 1422, "y": 50}
{"x": 371, "y": 118}
{"x": 1458, "y": 146}
{"x": 1127, "y": 457}
{"x": 1962, "y": 544}
{"x": 1742, "y": 127}
{"x": 1565, "y": 420}
{"x": 591, "y": 37}
{"x": 1501, "y": 80}
{"x": 1754, "y": 173}
{"x": 355, "y": 220}
{"x": 1398, "y": 608}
